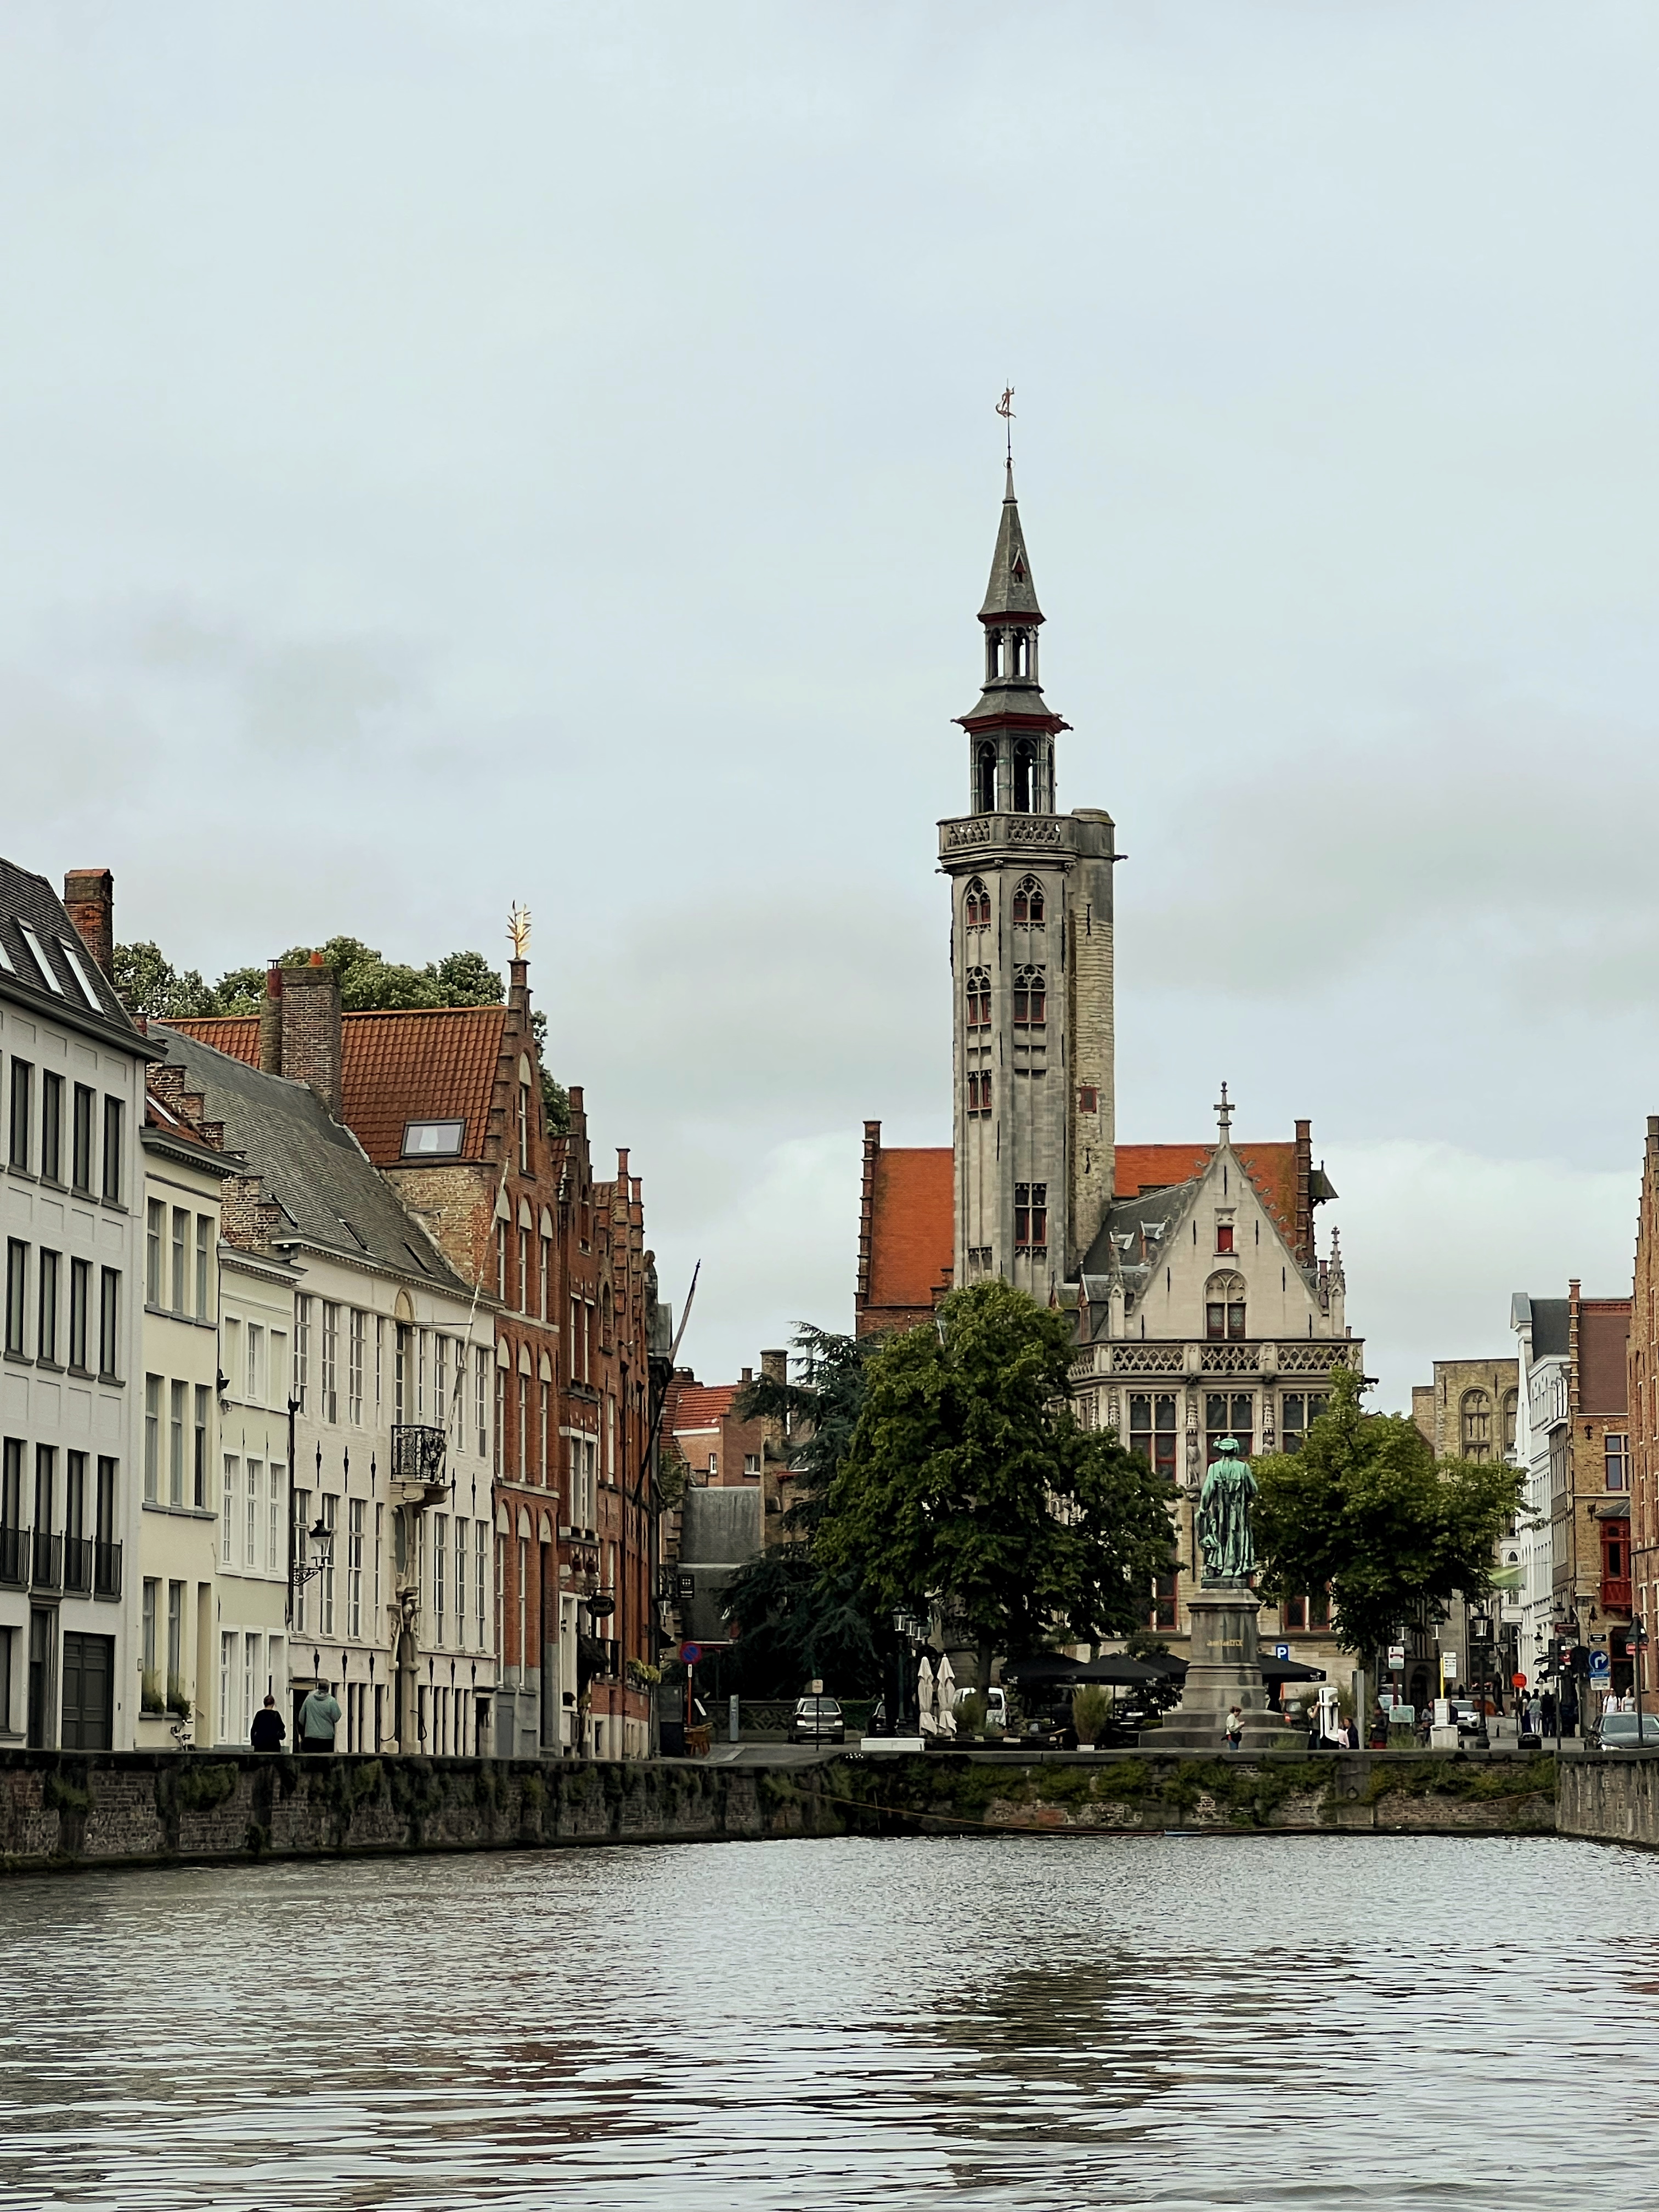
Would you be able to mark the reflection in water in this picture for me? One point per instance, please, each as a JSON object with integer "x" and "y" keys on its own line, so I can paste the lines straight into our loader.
{"x": 1023, "y": 2025}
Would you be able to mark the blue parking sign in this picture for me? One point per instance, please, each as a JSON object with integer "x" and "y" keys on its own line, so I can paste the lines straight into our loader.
{"x": 1281, "y": 1651}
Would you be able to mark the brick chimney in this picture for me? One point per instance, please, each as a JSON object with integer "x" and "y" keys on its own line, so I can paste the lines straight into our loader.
{"x": 89, "y": 897}
{"x": 270, "y": 1022}
{"x": 310, "y": 1020}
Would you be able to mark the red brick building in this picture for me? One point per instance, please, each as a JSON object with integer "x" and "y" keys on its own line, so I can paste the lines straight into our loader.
{"x": 448, "y": 1103}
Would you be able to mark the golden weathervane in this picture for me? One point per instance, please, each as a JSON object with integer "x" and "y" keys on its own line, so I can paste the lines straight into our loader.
{"x": 518, "y": 928}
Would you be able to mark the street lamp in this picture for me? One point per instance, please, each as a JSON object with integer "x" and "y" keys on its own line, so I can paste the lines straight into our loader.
{"x": 319, "y": 1561}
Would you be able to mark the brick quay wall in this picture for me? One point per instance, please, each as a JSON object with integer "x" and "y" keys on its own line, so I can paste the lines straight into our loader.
{"x": 61, "y": 1810}
{"x": 1611, "y": 1799}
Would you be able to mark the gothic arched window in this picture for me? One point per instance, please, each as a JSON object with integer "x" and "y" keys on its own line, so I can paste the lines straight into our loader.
{"x": 1510, "y": 1408}
{"x": 1224, "y": 1306}
{"x": 1025, "y": 777}
{"x": 976, "y": 907}
{"x": 1030, "y": 997}
{"x": 985, "y": 779}
{"x": 979, "y": 998}
{"x": 1028, "y": 901}
{"x": 1476, "y": 1424}
{"x": 979, "y": 1094}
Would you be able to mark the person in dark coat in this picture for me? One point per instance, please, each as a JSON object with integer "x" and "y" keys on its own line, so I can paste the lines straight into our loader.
{"x": 268, "y": 1727}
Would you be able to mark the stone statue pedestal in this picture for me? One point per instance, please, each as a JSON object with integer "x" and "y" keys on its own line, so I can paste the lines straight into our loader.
{"x": 1225, "y": 1671}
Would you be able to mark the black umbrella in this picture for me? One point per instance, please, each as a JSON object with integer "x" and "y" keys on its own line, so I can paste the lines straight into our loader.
{"x": 1052, "y": 1668}
{"x": 1290, "y": 1670}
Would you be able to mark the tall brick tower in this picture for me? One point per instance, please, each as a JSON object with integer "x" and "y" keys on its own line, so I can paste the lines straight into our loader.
{"x": 1031, "y": 967}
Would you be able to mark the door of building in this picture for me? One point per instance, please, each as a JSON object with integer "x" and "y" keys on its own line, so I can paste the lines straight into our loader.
{"x": 88, "y": 1693}
{"x": 42, "y": 1624}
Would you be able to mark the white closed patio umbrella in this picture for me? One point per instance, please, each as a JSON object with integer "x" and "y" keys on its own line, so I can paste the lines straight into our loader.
{"x": 947, "y": 1697}
{"x": 924, "y": 1696}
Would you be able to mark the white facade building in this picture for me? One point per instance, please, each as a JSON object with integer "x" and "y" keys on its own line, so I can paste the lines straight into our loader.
{"x": 70, "y": 1379}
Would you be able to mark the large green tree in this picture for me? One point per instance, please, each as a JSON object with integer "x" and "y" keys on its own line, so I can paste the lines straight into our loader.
{"x": 797, "y": 1620}
{"x": 968, "y": 1484}
{"x": 1365, "y": 1509}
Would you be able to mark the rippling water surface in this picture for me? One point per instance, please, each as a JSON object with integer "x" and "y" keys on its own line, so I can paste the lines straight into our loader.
{"x": 769, "y": 2027}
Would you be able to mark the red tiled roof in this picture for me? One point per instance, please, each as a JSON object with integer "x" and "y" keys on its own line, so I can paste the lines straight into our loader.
{"x": 699, "y": 1406}
{"x": 912, "y": 1237}
{"x": 411, "y": 1064}
{"x": 911, "y": 1232}
{"x": 1272, "y": 1168}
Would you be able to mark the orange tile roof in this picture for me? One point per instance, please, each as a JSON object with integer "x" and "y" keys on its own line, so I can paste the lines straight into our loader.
{"x": 699, "y": 1406}
{"x": 911, "y": 1233}
{"x": 410, "y": 1064}
{"x": 1272, "y": 1168}
{"x": 912, "y": 1236}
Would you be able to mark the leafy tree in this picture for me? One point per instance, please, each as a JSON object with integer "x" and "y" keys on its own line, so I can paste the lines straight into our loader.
{"x": 1365, "y": 1508}
{"x": 798, "y": 1621}
{"x": 238, "y": 991}
{"x": 147, "y": 982}
{"x": 969, "y": 1485}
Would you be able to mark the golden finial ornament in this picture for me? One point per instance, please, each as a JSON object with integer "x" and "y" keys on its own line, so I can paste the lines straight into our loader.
{"x": 518, "y": 928}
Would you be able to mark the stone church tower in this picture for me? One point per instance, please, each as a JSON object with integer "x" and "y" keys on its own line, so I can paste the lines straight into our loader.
{"x": 1031, "y": 969}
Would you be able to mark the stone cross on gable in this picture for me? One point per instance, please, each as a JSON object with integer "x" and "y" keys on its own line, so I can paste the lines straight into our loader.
{"x": 1224, "y": 1113}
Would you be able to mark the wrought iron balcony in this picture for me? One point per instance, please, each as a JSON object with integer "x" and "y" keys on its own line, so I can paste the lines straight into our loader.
{"x": 77, "y": 1564}
{"x": 419, "y": 1457}
{"x": 46, "y": 1569}
{"x": 14, "y": 1558}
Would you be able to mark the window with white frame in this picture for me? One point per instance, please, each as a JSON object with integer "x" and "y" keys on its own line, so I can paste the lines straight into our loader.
{"x": 358, "y": 1324}
{"x": 328, "y": 1378}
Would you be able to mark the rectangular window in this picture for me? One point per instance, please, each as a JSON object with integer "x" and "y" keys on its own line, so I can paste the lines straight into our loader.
{"x": 399, "y": 1372}
{"x": 256, "y": 1357}
{"x": 501, "y": 1261}
{"x": 1032, "y": 1219}
{"x": 180, "y": 1260}
{"x": 229, "y": 1499}
{"x": 1224, "y": 1236}
{"x": 330, "y": 1514}
{"x": 275, "y": 1562}
{"x": 256, "y": 1483}
{"x": 199, "y": 1450}
{"x": 441, "y": 1405}
{"x": 378, "y": 1537}
{"x": 355, "y": 1569}
{"x": 358, "y": 1324}
{"x": 523, "y": 1270}
{"x": 228, "y": 1648}
{"x": 302, "y": 1352}
{"x": 109, "y": 1325}
{"x": 156, "y": 1218}
{"x": 547, "y": 1428}
{"x": 51, "y": 1127}
{"x": 1229, "y": 1413}
{"x": 46, "y": 1335}
{"x": 544, "y": 1305}
{"x": 1615, "y": 1453}
{"x": 81, "y": 1148}
{"x": 205, "y": 1240}
{"x": 439, "y": 1567}
{"x": 1153, "y": 1431}
{"x": 80, "y": 1316}
{"x": 1224, "y": 1318}
{"x": 22, "y": 1079}
{"x": 17, "y": 1297}
{"x": 232, "y": 1344}
{"x": 114, "y": 1181}
{"x": 1165, "y": 1611}
{"x": 330, "y": 1408}
{"x": 175, "y": 1639}
{"x": 461, "y": 1580}
{"x": 1298, "y": 1411}
{"x": 524, "y": 1428}
{"x": 420, "y": 1374}
{"x": 482, "y": 1534}
{"x": 481, "y": 1397}
{"x": 501, "y": 1416}
{"x": 152, "y": 1438}
{"x": 147, "y": 1644}
{"x": 177, "y": 1407}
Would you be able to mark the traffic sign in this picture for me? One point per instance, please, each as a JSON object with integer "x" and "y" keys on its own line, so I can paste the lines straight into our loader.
{"x": 690, "y": 1653}
{"x": 1281, "y": 1651}
{"x": 1517, "y": 1681}
{"x": 1601, "y": 1670}
{"x": 1396, "y": 1655}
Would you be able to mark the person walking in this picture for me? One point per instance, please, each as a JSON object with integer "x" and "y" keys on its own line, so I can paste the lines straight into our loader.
{"x": 320, "y": 1717}
{"x": 268, "y": 1727}
{"x": 1235, "y": 1728}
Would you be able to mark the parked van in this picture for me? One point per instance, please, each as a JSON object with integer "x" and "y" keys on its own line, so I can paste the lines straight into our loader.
{"x": 996, "y": 1703}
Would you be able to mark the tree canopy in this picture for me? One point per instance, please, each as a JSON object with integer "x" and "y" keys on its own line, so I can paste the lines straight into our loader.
{"x": 147, "y": 982}
{"x": 1365, "y": 1509}
{"x": 967, "y": 1484}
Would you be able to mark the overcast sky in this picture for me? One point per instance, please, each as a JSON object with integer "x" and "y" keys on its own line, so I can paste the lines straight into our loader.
{"x": 455, "y": 453}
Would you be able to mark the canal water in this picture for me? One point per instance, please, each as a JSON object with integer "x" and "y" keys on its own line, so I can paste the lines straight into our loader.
{"x": 1014, "y": 2023}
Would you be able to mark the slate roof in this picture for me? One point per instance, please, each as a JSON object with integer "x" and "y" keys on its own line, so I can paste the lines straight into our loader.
{"x": 314, "y": 1169}
{"x": 1011, "y": 590}
{"x": 1549, "y": 1327}
{"x": 44, "y": 960}
{"x": 413, "y": 1064}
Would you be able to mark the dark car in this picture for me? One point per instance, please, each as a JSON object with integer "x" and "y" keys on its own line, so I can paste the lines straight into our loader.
{"x": 817, "y": 1719}
{"x": 1624, "y": 1732}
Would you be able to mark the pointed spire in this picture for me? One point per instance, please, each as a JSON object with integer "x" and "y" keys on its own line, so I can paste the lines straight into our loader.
{"x": 1010, "y": 591}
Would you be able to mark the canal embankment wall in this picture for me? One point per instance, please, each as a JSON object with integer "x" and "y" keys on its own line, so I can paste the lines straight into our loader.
{"x": 61, "y": 1810}
{"x": 1611, "y": 1798}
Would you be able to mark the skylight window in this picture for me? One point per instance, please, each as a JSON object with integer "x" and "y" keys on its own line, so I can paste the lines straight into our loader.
{"x": 82, "y": 972}
{"x": 38, "y": 953}
{"x": 432, "y": 1140}
{"x": 6, "y": 960}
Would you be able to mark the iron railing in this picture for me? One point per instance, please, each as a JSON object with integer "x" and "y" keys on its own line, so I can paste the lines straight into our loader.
{"x": 106, "y": 1570}
{"x": 77, "y": 1564}
{"x": 46, "y": 1567}
{"x": 418, "y": 1455}
{"x": 15, "y": 1557}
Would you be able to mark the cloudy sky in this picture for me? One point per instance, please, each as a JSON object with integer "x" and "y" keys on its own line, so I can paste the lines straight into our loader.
{"x": 461, "y": 452}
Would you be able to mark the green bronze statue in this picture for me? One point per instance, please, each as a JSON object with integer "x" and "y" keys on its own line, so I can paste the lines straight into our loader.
{"x": 1222, "y": 1522}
